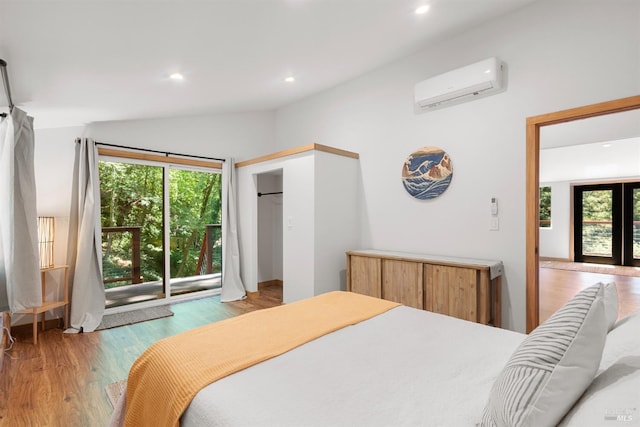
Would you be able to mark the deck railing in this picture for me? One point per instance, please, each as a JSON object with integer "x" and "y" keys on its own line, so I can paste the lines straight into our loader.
{"x": 209, "y": 260}
{"x": 135, "y": 231}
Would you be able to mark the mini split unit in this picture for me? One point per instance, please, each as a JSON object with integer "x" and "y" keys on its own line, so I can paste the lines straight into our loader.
{"x": 463, "y": 84}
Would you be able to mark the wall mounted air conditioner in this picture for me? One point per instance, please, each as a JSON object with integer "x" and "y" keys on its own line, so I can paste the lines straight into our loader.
{"x": 463, "y": 84}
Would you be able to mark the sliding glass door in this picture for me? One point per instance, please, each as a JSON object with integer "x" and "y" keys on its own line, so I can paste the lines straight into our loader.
{"x": 161, "y": 230}
{"x": 195, "y": 230}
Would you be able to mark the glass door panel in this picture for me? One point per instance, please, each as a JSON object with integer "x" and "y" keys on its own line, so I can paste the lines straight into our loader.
{"x": 195, "y": 203}
{"x": 132, "y": 238}
{"x": 597, "y": 224}
{"x": 632, "y": 224}
{"x": 635, "y": 224}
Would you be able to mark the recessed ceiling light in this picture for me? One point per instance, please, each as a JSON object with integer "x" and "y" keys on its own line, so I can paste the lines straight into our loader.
{"x": 422, "y": 9}
{"x": 176, "y": 76}
{"x": 290, "y": 79}
{"x": 606, "y": 145}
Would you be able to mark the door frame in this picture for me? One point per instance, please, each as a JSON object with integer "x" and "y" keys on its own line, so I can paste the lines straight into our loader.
{"x": 533, "y": 125}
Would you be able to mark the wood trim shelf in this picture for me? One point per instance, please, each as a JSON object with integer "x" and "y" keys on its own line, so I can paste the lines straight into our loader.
{"x": 298, "y": 150}
{"x": 156, "y": 158}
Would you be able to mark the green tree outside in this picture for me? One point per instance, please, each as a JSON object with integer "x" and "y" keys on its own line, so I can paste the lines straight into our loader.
{"x": 545, "y": 207}
{"x": 131, "y": 196}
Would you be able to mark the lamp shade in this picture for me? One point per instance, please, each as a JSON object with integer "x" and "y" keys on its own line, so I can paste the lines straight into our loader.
{"x": 46, "y": 233}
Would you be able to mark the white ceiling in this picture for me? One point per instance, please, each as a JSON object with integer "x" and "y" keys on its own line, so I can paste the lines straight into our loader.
{"x": 600, "y": 147}
{"x": 611, "y": 127}
{"x": 77, "y": 61}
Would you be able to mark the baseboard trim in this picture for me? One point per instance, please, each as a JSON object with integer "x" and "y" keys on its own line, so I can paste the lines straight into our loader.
{"x": 545, "y": 258}
{"x": 275, "y": 282}
{"x": 27, "y": 328}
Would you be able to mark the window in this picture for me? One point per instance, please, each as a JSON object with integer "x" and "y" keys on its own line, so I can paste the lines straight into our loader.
{"x": 161, "y": 229}
{"x": 545, "y": 207}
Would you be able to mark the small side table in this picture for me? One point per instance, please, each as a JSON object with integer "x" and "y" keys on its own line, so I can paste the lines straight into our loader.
{"x": 49, "y": 305}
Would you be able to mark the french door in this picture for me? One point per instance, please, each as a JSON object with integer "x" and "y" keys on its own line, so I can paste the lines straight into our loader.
{"x": 632, "y": 222}
{"x": 607, "y": 223}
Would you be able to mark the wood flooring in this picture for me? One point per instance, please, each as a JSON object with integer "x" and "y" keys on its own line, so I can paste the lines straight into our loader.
{"x": 61, "y": 380}
{"x": 558, "y": 286}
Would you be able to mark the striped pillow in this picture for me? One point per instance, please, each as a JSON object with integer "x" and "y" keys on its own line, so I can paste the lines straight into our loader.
{"x": 552, "y": 367}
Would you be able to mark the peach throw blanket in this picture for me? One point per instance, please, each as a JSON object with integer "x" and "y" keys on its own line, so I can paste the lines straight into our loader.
{"x": 168, "y": 375}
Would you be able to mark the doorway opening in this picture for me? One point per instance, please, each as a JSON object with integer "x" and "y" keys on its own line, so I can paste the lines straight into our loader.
{"x": 534, "y": 126}
{"x": 270, "y": 232}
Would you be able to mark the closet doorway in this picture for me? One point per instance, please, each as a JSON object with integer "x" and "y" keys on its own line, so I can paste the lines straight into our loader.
{"x": 270, "y": 232}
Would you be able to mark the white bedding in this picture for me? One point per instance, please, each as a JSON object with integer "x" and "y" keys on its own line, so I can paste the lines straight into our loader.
{"x": 404, "y": 367}
{"x": 613, "y": 398}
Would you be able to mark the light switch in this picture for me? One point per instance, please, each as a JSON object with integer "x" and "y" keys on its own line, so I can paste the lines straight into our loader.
{"x": 495, "y": 224}
{"x": 290, "y": 222}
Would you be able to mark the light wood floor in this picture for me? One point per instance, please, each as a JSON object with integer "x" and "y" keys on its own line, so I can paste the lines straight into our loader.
{"x": 558, "y": 286}
{"x": 61, "y": 380}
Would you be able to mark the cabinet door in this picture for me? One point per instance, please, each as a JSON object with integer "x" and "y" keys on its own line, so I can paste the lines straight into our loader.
{"x": 451, "y": 291}
{"x": 402, "y": 282}
{"x": 365, "y": 275}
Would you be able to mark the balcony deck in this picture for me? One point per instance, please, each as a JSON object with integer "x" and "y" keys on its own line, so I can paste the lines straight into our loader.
{"x": 130, "y": 294}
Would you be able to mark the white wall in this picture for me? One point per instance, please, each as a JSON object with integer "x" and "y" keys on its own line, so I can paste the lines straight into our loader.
{"x": 555, "y": 241}
{"x": 559, "y": 54}
{"x": 227, "y": 135}
{"x": 299, "y": 237}
{"x": 337, "y": 213}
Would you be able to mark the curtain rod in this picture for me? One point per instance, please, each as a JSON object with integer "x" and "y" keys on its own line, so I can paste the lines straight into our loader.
{"x": 268, "y": 194}
{"x": 5, "y": 82}
{"x": 166, "y": 153}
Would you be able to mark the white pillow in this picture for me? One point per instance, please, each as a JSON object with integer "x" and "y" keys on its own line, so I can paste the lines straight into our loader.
{"x": 623, "y": 340}
{"x": 613, "y": 396}
{"x": 552, "y": 367}
{"x": 611, "y": 304}
{"x": 611, "y": 399}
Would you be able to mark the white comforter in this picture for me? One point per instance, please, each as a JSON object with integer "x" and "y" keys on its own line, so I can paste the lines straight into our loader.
{"x": 406, "y": 367}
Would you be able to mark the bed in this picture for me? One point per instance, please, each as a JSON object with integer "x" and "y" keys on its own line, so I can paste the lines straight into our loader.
{"x": 404, "y": 366}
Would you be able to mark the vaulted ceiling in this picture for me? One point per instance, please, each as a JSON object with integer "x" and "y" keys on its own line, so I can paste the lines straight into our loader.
{"x": 78, "y": 61}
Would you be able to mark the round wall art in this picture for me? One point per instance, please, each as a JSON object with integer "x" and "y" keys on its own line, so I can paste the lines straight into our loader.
{"x": 427, "y": 173}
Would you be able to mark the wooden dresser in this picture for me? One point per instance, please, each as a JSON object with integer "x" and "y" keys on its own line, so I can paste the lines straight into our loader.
{"x": 469, "y": 289}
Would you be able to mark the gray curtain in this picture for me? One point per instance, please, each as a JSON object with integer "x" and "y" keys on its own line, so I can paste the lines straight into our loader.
{"x": 232, "y": 287}
{"x": 85, "y": 241}
{"x": 19, "y": 257}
